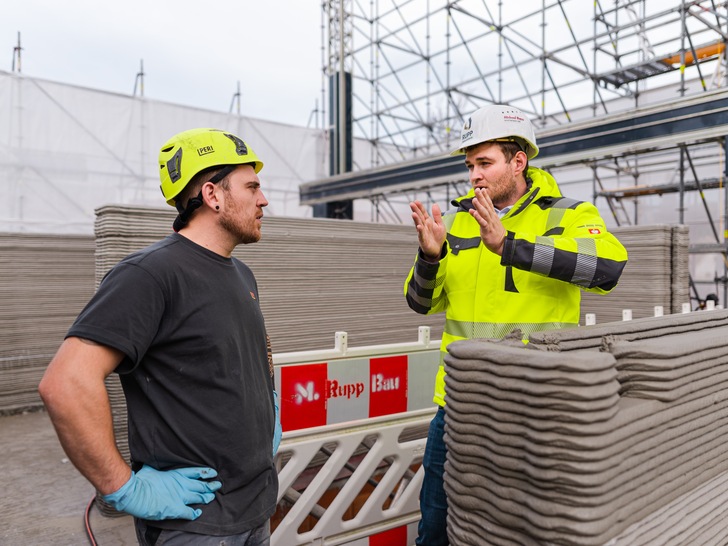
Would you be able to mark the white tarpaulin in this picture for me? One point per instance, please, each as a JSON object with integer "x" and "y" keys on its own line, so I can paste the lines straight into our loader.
{"x": 67, "y": 150}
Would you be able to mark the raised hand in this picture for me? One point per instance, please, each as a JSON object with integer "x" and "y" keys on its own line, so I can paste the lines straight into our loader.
{"x": 492, "y": 231}
{"x": 431, "y": 231}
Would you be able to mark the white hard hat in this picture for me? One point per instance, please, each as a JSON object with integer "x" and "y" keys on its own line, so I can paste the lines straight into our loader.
{"x": 498, "y": 122}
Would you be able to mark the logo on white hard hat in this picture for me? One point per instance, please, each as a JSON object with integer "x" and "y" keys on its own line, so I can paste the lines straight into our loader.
{"x": 467, "y": 133}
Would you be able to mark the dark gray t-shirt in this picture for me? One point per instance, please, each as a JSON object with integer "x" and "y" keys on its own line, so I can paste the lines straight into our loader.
{"x": 196, "y": 375}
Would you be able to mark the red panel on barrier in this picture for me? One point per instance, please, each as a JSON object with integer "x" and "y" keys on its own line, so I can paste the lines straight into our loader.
{"x": 393, "y": 537}
{"x": 388, "y": 385}
{"x": 303, "y": 396}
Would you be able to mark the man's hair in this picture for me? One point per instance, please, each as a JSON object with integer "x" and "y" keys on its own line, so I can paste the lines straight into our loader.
{"x": 196, "y": 182}
{"x": 509, "y": 149}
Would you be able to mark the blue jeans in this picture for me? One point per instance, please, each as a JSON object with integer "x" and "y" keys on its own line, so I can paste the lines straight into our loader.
{"x": 432, "y": 529}
{"x": 148, "y": 535}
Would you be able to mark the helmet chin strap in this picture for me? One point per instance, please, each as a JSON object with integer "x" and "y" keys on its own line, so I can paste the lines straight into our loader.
{"x": 185, "y": 214}
{"x": 222, "y": 173}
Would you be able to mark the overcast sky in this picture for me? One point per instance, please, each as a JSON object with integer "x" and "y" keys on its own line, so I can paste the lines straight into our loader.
{"x": 194, "y": 52}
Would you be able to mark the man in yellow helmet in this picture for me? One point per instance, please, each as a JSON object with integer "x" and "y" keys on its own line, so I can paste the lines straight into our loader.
{"x": 180, "y": 322}
{"x": 512, "y": 254}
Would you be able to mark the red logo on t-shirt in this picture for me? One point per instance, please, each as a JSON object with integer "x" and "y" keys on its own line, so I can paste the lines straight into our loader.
{"x": 595, "y": 231}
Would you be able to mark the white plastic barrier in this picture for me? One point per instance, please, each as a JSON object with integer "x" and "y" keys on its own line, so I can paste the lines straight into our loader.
{"x": 383, "y": 461}
{"x": 354, "y": 419}
{"x": 317, "y": 388}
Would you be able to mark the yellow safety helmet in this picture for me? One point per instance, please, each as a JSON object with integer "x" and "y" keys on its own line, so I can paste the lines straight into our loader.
{"x": 190, "y": 152}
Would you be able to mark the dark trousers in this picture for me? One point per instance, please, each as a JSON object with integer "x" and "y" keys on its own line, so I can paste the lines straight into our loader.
{"x": 148, "y": 535}
{"x": 432, "y": 529}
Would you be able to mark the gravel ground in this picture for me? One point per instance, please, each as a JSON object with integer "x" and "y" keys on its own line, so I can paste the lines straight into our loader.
{"x": 44, "y": 497}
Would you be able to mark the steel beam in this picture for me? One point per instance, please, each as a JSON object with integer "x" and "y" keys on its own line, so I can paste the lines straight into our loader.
{"x": 664, "y": 126}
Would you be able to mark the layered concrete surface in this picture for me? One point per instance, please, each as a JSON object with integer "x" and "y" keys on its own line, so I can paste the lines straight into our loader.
{"x": 589, "y": 447}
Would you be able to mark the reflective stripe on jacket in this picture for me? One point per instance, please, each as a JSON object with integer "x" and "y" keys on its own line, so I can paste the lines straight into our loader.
{"x": 555, "y": 247}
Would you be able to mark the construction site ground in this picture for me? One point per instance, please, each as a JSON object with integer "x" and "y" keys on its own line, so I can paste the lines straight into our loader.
{"x": 44, "y": 497}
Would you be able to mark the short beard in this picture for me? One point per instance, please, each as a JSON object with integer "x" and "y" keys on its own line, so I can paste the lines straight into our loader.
{"x": 242, "y": 236}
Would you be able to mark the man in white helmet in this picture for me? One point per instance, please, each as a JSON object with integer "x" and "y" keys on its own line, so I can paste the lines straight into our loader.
{"x": 512, "y": 254}
{"x": 180, "y": 322}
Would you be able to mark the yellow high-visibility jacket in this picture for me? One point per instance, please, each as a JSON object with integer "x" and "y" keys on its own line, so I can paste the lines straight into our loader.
{"x": 555, "y": 247}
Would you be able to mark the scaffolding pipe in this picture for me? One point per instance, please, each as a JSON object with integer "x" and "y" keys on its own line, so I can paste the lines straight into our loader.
{"x": 16, "y": 55}
{"x": 702, "y": 195}
{"x": 139, "y": 79}
{"x": 236, "y": 101}
{"x": 681, "y": 201}
{"x": 725, "y": 193}
{"x": 341, "y": 93}
{"x": 543, "y": 62}
{"x": 683, "y": 29}
{"x": 725, "y": 220}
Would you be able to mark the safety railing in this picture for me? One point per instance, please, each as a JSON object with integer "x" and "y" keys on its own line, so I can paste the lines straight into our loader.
{"x": 355, "y": 424}
{"x": 345, "y": 482}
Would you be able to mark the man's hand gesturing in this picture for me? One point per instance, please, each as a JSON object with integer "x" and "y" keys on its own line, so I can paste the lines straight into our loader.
{"x": 431, "y": 231}
{"x": 492, "y": 231}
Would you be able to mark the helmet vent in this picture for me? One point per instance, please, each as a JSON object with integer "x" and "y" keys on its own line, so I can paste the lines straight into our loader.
{"x": 173, "y": 166}
{"x": 240, "y": 147}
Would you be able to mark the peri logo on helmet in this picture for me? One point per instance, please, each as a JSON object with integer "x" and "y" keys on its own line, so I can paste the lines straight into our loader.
{"x": 240, "y": 147}
{"x": 173, "y": 166}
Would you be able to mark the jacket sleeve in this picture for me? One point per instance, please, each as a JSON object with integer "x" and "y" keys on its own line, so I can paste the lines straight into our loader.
{"x": 424, "y": 287}
{"x": 579, "y": 251}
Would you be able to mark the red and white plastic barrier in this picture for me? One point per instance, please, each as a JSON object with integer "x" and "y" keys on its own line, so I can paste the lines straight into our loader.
{"x": 347, "y": 385}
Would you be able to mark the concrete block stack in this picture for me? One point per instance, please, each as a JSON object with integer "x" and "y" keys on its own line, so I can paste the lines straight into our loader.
{"x": 595, "y": 336}
{"x": 45, "y": 281}
{"x": 658, "y": 258}
{"x": 315, "y": 276}
{"x": 589, "y": 447}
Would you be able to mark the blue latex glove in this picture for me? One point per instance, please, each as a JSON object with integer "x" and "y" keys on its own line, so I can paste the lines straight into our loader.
{"x": 154, "y": 494}
{"x": 277, "y": 429}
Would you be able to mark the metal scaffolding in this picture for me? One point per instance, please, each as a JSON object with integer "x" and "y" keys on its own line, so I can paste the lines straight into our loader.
{"x": 419, "y": 66}
{"x": 416, "y": 68}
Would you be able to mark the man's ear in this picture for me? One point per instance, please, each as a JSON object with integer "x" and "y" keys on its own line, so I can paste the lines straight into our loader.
{"x": 209, "y": 195}
{"x": 520, "y": 162}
